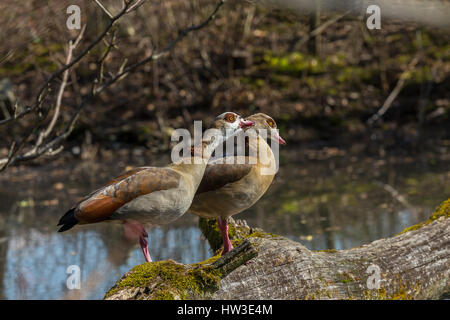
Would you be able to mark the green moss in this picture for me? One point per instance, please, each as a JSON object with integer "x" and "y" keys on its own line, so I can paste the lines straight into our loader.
{"x": 211, "y": 232}
{"x": 345, "y": 277}
{"x": 401, "y": 291}
{"x": 319, "y": 294}
{"x": 401, "y": 295}
{"x": 254, "y": 83}
{"x": 261, "y": 234}
{"x": 379, "y": 294}
{"x": 236, "y": 234}
{"x": 163, "y": 295}
{"x": 208, "y": 261}
{"x": 297, "y": 62}
{"x": 442, "y": 211}
{"x": 327, "y": 250}
{"x": 38, "y": 56}
{"x": 414, "y": 227}
{"x": 346, "y": 280}
{"x": 290, "y": 206}
{"x": 170, "y": 280}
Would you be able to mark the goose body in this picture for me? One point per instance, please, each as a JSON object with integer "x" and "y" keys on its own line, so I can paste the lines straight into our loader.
{"x": 228, "y": 187}
{"x": 152, "y": 196}
{"x": 148, "y": 195}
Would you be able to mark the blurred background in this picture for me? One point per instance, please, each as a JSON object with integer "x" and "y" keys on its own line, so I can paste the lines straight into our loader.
{"x": 346, "y": 177}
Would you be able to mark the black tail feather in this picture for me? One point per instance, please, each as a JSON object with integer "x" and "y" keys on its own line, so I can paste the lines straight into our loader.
{"x": 68, "y": 220}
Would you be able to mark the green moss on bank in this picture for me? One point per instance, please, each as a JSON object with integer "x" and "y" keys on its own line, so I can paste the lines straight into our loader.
{"x": 442, "y": 211}
{"x": 170, "y": 280}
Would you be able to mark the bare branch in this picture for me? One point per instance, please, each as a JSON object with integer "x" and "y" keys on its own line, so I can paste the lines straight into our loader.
{"x": 72, "y": 46}
{"x": 319, "y": 30}
{"x": 398, "y": 87}
{"x": 396, "y": 195}
{"x": 44, "y": 134}
{"x": 136, "y": 5}
{"x": 165, "y": 50}
{"x": 44, "y": 89}
{"x": 5, "y": 162}
{"x": 104, "y": 9}
{"x": 50, "y": 147}
{"x": 101, "y": 63}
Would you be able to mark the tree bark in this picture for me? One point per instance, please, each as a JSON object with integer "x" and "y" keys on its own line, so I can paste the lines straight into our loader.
{"x": 411, "y": 265}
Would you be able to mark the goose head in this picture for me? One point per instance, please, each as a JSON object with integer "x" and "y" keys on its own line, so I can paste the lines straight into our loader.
{"x": 264, "y": 122}
{"x": 230, "y": 122}
{"x": 225, "y": 126}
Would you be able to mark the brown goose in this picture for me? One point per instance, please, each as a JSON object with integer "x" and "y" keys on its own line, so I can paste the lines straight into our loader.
{"x": 228, "y": 189}
{"x": 151, "y": 195}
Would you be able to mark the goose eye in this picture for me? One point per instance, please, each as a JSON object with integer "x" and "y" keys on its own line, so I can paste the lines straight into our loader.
{"x": 271, "y": 123}
{"x": 230, "y": 117}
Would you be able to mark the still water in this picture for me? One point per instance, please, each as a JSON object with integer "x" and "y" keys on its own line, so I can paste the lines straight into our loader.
{"x": 323, "y": 198}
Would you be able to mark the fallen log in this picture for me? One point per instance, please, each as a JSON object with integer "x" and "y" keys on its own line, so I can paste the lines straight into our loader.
{"x": 414, "y": 264}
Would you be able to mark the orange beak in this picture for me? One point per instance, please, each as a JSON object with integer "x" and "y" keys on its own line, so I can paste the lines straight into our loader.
{"x": 246, "y": 123}
{"x": 276, "y": 137}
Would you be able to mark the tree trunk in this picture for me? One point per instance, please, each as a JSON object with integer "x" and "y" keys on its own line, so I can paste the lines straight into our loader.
{"x": 412, "y": 265}
{"x": 314, "y": 23}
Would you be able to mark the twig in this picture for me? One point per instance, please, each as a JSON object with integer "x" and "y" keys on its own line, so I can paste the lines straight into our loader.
{"x": 318, "y": 30}
{"x": 5, "y": 162}
{"x": 396, "y": 195}
{"x": 136, "y": 5}
{"x": 104, "y": 9}
{"x": 102, "y": 60}
{"x": 398, "y": 87}
{"x": 72, "y": 46}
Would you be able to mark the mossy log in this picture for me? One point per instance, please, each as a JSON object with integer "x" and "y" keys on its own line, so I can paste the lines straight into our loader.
{"x": 414, "y": 264}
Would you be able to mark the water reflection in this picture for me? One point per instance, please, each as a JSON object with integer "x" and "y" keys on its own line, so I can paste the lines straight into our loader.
{"x": 36, "y": 261}
{"x": 343, "y": 202}
{"x": 337, "y": 202}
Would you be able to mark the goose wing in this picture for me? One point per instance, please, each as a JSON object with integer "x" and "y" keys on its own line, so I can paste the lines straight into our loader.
{"x": 103, "y": 202}
{"x": 218, "y": 174}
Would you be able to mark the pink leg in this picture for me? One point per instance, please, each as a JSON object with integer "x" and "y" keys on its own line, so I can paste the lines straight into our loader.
{"x": 223, "y": 227}
{"x": 134, "y": 230}
{"x": 144, "y": 246}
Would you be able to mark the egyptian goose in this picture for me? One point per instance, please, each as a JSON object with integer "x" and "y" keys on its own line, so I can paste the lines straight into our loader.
{"x": 151, "y": 195}
{"x": 227, "y": 189}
